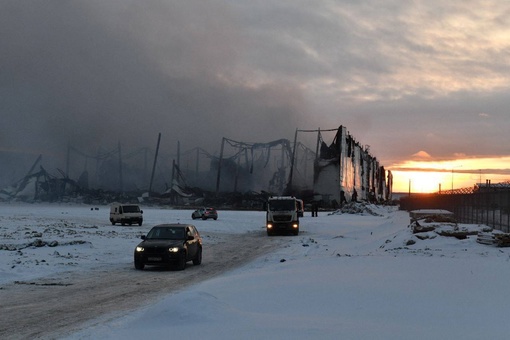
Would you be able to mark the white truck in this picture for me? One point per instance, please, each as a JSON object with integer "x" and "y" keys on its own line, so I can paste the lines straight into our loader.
{"x": 126, "y": 214}
{"x": 282, "y": 215}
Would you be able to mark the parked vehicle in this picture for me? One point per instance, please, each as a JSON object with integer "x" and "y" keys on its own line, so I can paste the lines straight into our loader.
{"x": 126, "y": 214}
{"x": 169, "y": 244}
{"x": 282, "y": 215}
{"x": 205, "y": 213}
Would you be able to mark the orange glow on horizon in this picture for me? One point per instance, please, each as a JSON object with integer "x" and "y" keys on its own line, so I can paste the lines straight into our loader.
{"x": 428, "y": 176}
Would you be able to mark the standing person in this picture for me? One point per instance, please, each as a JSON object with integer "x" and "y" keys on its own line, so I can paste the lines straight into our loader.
{"x": 354, "y": 196}
{"x": 342, "y": 198}
{"x": 314, "y": 209}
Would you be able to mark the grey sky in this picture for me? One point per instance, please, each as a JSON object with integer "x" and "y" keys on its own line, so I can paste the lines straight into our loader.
{"x": 403, "y": 76}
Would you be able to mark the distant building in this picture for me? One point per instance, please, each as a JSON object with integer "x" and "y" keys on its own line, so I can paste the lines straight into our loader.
{"x": 488, "y": 186}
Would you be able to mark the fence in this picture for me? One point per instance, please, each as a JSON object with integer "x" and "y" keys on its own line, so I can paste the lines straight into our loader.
{"x": 491, "y": 208}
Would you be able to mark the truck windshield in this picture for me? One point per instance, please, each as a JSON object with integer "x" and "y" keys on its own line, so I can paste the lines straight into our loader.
{"x": 282, "y": 205}
{"x": 131, "y": 208}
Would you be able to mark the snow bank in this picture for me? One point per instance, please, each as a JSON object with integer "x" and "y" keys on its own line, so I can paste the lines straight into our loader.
{"x": 348, "y": 276}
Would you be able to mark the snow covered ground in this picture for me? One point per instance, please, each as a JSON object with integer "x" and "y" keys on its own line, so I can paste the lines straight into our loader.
{"x": 346, "y": 276}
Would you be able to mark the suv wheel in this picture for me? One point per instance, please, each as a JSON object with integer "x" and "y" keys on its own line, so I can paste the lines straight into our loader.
{"x": 198, "y": 258}
{"x": 181, "y": 265}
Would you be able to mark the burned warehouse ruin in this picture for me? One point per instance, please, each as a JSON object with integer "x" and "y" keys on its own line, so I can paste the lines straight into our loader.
{"x": 242, "y": 173}
{"x": 346, "y": 171}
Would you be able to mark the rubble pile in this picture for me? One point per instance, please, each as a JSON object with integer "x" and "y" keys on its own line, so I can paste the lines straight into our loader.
{"x": 437, "y": 224}
{"x": 495, "y": 238}
{"x": 360, "y": 208}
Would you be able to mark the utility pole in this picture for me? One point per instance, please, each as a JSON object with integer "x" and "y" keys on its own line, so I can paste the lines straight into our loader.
{"x": 121, "y": 184}
{"x": 68, "y": 158}
{"x": 238, "y": 162}
{"x": 458, "y": 166}
{"x": 289, "y": 187}
{"x": 219, "y": 166}
{"x": 196, "y": 167}
{"x": 154, "y": 164}
{"x": 178, "y": 160}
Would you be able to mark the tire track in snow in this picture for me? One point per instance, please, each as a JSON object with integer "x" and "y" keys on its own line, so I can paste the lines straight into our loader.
{"x": 59, "y": 305}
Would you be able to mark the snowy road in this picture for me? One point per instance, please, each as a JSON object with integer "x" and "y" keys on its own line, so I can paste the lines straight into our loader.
{"x": 63, "y": 266}
{"x": 50, "y": 306}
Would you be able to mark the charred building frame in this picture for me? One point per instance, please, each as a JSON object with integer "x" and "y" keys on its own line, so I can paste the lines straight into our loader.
{"x": 332, "y": 174}
{"x": 345, "y": 171}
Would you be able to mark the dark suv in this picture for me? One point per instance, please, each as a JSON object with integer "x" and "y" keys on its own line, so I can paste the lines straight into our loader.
{"x": 205, "y": 213}
{"x": 169, "y": 244}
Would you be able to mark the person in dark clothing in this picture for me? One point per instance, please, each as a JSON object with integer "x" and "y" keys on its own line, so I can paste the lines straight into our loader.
{"x": 342, "y": 198}
{"x": 371, "y": 196}
{"x": 354, "y": 196}
{"x": 315, "y": 209}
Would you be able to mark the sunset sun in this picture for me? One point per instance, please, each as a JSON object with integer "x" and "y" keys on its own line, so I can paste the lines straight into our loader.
{"x": 428, "y": 176}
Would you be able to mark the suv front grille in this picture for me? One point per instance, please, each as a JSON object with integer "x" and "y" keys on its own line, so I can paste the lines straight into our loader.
{"x": 156, "y": 250}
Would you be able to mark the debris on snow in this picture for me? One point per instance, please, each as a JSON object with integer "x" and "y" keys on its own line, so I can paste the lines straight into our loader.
{"x": 362, "y": 208}
{"x": 445, "y": 215}
{"x": 496, "y": 238}
{"x": 443, "y": 225}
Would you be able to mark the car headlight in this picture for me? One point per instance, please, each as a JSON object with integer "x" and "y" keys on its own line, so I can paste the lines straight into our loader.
{"x": 139, "y": 249}
{"x": 269, "y": 226}
{"x": 173, "y": 249}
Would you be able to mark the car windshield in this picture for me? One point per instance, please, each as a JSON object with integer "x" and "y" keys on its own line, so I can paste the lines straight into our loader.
{"x": 166, "y": 233}
{"x": 282, "y": 205}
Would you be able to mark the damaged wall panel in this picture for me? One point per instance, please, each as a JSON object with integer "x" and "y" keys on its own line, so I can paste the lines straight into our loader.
{"x": 346, "y": 169}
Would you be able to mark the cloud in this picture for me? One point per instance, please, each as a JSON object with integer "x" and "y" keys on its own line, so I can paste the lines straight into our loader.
{"x": 422, "y": 155}
{"x": 95, "y": 73}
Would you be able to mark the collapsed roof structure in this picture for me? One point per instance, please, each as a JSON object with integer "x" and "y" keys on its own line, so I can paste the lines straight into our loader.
{"x": 332, "y": 174}
{"x": 262, "y": 166}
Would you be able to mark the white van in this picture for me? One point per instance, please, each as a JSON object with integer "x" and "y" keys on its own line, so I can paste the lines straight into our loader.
{"x": 126, "y": 214}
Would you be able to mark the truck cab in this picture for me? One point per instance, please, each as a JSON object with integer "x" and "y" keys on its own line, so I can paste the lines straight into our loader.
{"x": 300, "y": 207}
{"x": 282, "y": 215}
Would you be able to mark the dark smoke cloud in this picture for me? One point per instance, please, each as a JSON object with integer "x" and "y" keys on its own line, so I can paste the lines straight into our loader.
{"x": 95, "y": 73}
{"x": 401, "y": 76}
